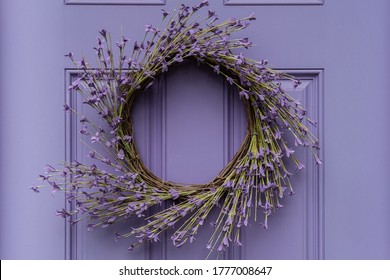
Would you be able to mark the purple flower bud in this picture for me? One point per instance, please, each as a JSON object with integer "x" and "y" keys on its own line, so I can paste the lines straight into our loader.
{"x": 313, "y": 123}
{"x": 251, "y": 17}
{"x": 289, "y": 152}
{"x": 278, "y": 134}
{"x": 318, "y": 161}
{"x": 297, "y": 83}
{"x": 128, "y": 138}
{"x": 204, "y": 3}
{"x": 211, "y": 13}
{"x": 178, "y": 58}
{"x": 70, "y": 55}
{"x": 34, "y": 189}
{"x": 229, "y": 220}
{"x": 298, "y": 142}
{"x": 44, "y": 178}
{"x": 106, "y": 160}
{"x": 281, "y": 193}
{"x": 103, "y": 32}
{"x": 67, "y": 108}
{"x": 90, "y": 227}
{"x": 105, "y": 225}
{"x": 95, "y": 138}
{"x": 165, "y": 13}
{"x": 84, "y": 130}
{"x": 121, "y": 154}
{"x": 264, "y": 225}
{"x": 278, "y": 205}
{"x": 269, "y": 166}
{"x": 216, "y": 68}
{"x": 225, "y": 241}
{"x": 82, "y": 63}
{"x": 228, "y": 184}
{"x": 136, "y": 46}
{"x": 230, "y": 80}
{"x": 174, "y": 193}
{"x": 49, "y": 169}
{"x": 118, "y": 236}
{"x": 300, "y": 166}
{"x": 55, "y": 188}
{"x": 63, "y": 213}
{"x": 84, "y": 120}
{"x": 244, "y": 93}
{"x": 164, "y": 67}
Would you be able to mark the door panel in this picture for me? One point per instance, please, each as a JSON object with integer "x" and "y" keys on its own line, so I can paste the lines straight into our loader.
{"x": 339, "y": 49}
{"x": 171, "y": 122}
{"x": 296, "y": 230}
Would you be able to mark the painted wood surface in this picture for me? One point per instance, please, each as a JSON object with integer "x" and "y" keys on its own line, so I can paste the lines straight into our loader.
{"x": 191, "y": 122}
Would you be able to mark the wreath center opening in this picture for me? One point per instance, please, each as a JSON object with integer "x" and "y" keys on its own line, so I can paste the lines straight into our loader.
{"x": 189, "y": 124}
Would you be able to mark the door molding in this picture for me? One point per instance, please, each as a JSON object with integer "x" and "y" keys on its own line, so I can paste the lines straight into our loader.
{"x": 70, "y": 123}
{"x": 272, "y": 2}
{"x": 314, "y": 196}
{"x": 314, "y": 211}
{"x": 115, "y": 2}
{"x": 315, "y": 180}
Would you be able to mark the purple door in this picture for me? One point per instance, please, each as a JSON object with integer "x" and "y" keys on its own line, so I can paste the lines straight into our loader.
{"x": 190, "y": 123}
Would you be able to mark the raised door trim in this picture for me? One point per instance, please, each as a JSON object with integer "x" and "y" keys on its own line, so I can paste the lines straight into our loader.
{"x": 273, "y": 2}
{"x": 114, "y": 2}
{"x": 314, "y": 221}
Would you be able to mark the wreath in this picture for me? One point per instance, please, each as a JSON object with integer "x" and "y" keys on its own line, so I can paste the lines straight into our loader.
{"x": 252, "y": 183}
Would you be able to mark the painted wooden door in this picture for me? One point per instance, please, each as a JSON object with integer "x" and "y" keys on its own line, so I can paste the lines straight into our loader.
{"x": 190, "y": 124}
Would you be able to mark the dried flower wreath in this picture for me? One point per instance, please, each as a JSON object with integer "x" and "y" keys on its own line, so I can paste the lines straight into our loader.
{"x": 256, "y": 178}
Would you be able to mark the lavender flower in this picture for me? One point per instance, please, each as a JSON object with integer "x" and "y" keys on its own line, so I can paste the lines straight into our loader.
{"x": 34, "y": 189}
{"x": 121, "y": 154}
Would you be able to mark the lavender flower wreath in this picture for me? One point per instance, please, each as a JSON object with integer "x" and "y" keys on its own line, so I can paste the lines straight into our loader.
{"x": 255, "y": 179}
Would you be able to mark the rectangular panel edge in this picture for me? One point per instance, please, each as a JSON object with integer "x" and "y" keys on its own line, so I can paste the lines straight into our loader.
{"x": 273, "y": 2}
